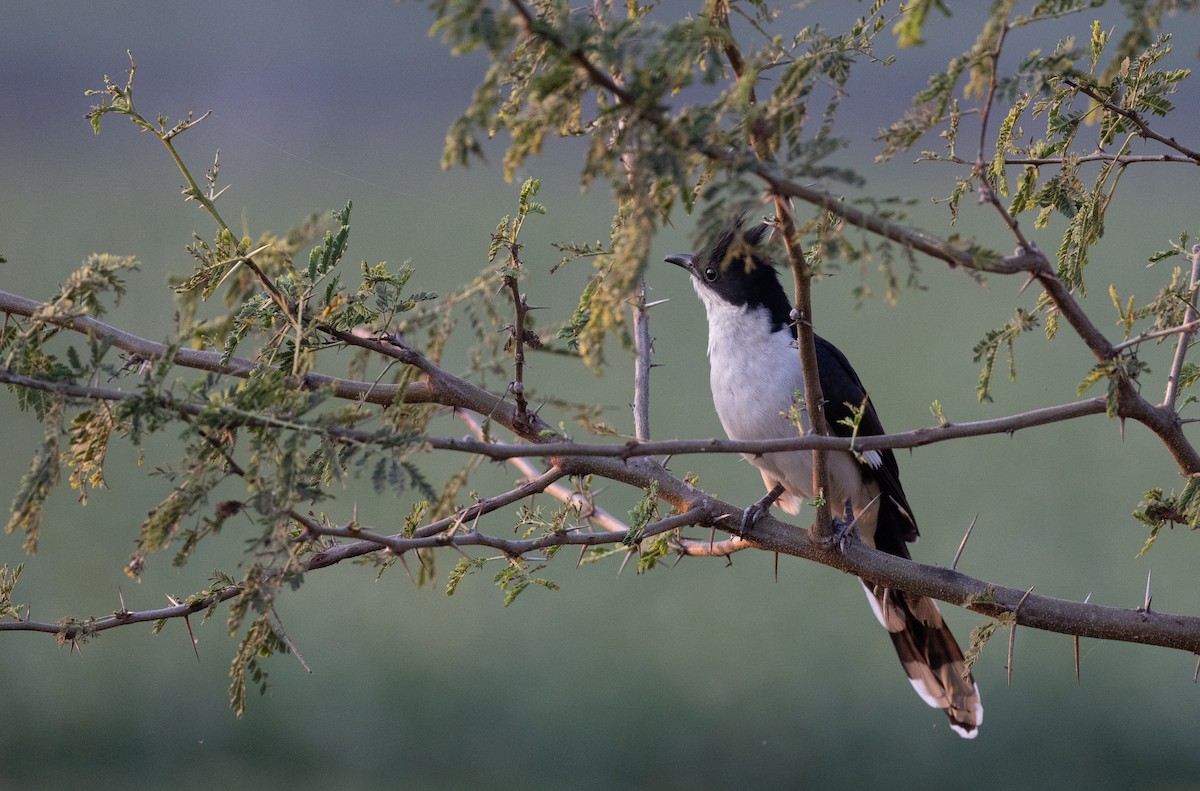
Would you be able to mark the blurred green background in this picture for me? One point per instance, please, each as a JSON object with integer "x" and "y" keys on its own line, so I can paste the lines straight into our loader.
{"x": 699, "y": 676}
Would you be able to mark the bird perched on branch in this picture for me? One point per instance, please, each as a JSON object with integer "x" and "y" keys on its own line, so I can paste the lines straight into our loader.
{"x": 757, "y": 388}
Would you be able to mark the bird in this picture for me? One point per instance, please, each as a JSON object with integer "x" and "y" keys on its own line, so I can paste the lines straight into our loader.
{"x": 757, "y": 389}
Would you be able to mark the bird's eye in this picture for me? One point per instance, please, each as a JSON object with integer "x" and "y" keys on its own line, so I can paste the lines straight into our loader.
{"x": 710, "y": 273}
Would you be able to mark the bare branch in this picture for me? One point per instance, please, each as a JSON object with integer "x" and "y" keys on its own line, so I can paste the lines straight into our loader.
{"x": 1101, "y": 156}
{"x": 1040, "y": 612}
{"x": 586, "y": 507}
{"x": 520, "y": 306}
{"x": 674, "y": 447}
{"x": 1136, "y": 340}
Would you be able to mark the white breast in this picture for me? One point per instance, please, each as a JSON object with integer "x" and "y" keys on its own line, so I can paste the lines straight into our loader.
{"x": 755, "y": 378}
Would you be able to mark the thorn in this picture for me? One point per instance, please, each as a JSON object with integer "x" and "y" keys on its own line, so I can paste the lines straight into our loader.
{"x": 1012, "y": 632}
{"x": 1085, "y": 601}
{"x": 1032, "y": 277}
{"x": 121, "y": 596}
{"x": 776, "y": 568}
{"x": 712, "y": 536}
{"x": 655, "y": 303}
{"x": 188, "y": 624}
{"x": 407, "y": 570}
{"x": 625, "y": 562}
{"x": 582, "y": 552}
{"x": 454, "y": 545}
{"x": 1146, "y": 604}
{"x": 283, "y": 633}
{"x": 962, "y": 544}
{"x": 1196, "y": 675}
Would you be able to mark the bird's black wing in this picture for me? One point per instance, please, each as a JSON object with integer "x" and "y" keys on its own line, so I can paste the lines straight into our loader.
{"x": 844, "y": 391}
{"x": 928, "y": 651}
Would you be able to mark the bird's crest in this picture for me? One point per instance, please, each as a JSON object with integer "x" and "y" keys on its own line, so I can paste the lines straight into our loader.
{"x": 738, "y": 245}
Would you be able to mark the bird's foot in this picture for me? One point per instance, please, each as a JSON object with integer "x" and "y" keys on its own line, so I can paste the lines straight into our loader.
{"x": 845, "y": 528}
{"x": 843, "y": 531}
{"x": 758, "y": 510}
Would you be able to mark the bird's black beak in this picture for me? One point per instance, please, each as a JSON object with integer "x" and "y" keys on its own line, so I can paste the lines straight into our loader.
{"x": 685, "y": 260}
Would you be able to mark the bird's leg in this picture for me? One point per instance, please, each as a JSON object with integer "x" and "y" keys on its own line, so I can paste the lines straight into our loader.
{"x": 756, "y": 511}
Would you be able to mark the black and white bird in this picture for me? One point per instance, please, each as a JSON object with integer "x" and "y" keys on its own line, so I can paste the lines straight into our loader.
{"x": 756, "y": 379}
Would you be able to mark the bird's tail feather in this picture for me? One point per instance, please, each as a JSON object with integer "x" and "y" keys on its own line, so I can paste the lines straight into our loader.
{"x": 930, "y": 656}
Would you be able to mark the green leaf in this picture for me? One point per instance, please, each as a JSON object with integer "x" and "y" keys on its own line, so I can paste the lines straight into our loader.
{"x": 39, "y": 481}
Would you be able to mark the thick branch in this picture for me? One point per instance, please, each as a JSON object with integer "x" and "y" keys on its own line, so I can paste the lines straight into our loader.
{"x": 1086, "y": 620}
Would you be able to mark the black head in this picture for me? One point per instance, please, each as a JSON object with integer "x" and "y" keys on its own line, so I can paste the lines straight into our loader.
{"x": 736, "y": 270}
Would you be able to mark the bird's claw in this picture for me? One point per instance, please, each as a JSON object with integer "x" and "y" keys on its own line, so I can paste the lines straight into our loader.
{"x": 756, "y": 511}
{"x": 750, "y": 516}
{"x": 844, "y": 529}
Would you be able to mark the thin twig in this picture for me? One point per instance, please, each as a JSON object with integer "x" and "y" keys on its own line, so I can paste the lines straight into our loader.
{"x": 1185, "y": 337}
{"x": 505, "y": 451}
{"x": 1144, "y": 129}
{"x": 1189, "y": 327}
{"x": 802, "y": 275}
{"x": 520, "y": 306}
{"x": 586, "y": 508}
{"x": 644, "y": 346}
{"x": 1102, "y": 156}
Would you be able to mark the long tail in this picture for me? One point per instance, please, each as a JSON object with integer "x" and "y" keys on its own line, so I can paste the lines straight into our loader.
{"x": 930, "y": 656}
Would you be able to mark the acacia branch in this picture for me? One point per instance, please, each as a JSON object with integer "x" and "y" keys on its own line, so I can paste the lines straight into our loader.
{"x": 70, "y": 629}
{"x": 1136, "y": 625}
{"x": 697, "y": 507}
{"x": 1095, "y": 156}
{"x": 1136, "y": 119}
{"x": 140, "y": 348}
